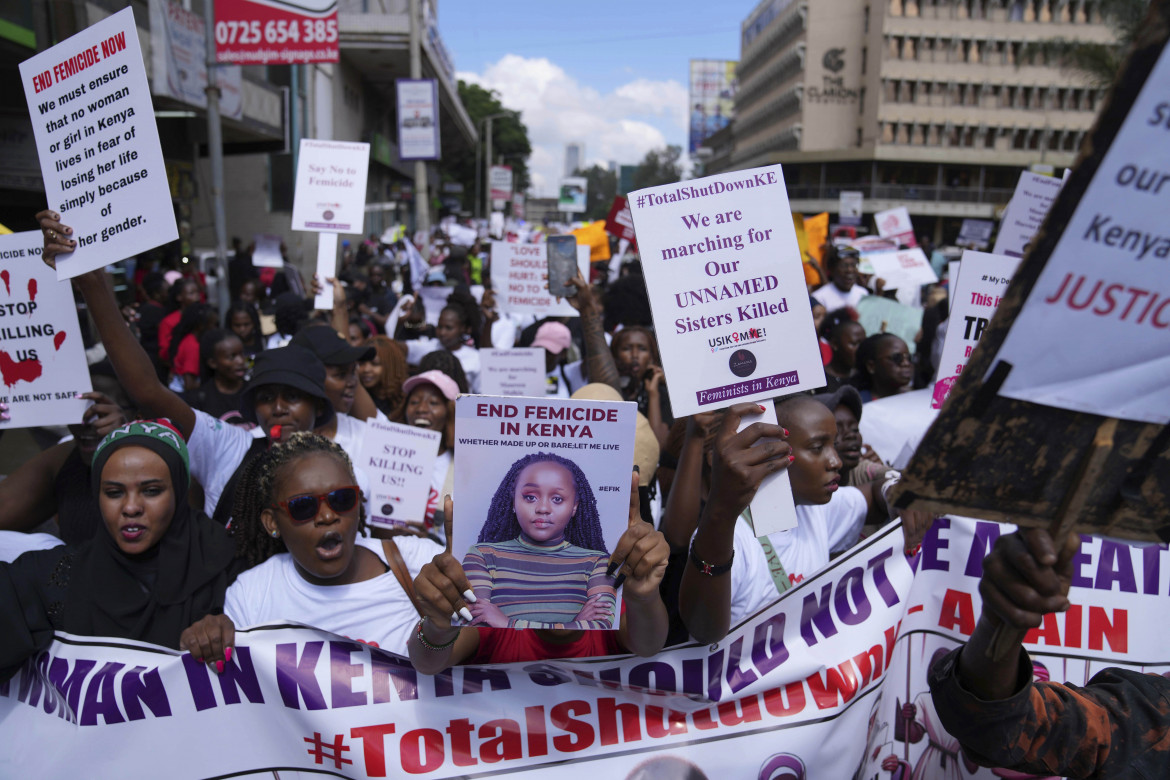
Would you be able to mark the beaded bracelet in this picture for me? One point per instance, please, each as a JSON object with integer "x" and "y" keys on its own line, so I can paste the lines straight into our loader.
{"x": 428, "y": 645}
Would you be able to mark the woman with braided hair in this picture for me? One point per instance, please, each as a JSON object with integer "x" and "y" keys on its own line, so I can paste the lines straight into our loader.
{"x": 300, "y": 523}
{"x": 541, "y": 559}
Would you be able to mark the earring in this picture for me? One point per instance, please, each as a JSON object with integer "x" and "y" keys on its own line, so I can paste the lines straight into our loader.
{"x": 275, "y": 534}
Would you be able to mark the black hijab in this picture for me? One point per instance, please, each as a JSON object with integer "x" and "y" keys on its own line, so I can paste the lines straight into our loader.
{"x": 154, "y": 596}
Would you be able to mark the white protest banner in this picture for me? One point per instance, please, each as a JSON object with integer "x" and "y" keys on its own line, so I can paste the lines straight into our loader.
{"x": 399, "y": 459}
{"x": 500, "y": 182}
{"x": 895, "y": 224}
{"x": 904, "y": 271}
{"x": 773, "y": 508}
{"x": 818, "y": 679}
{"x": 42, "y": 359}
{"x": 418, "y": 119}
{"x": 520, "y": 279}
{"x": 724, "y": 273}
{"x": 977, "y": 294}
{"x": 1025, "y": 213}
{"x": 543, "y": 495}
{"x": 434, "y": 298}
{"x": 496, "y": 222}
{"x": 1091, "y": 335}
{"x": 98, "y": 144}
{"x": 266, "y": 251}
{"x": 326, "y": 269}
{"x": 849, "y": 207}
{"x": 517, "y": 371}
{"x": 331, "y": 186}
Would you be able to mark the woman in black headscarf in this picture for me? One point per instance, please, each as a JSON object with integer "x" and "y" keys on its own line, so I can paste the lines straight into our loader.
{"x": 160, "y": 567}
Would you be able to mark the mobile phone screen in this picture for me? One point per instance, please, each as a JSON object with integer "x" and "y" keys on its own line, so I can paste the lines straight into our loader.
{"x": 562, "y": 265}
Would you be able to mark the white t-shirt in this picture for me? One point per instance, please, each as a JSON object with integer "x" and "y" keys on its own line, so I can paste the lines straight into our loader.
{"x": 820, "y": 529}
{"x": 377, "y": 611}
{"x": 468, "y": 357}
{"x": 834, "y": 299}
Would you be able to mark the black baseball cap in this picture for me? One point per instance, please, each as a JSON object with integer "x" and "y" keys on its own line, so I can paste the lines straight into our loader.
{"x": 291, "y": 366}
{"x": 844, "y": 395}
{"x": 324, "y": 342}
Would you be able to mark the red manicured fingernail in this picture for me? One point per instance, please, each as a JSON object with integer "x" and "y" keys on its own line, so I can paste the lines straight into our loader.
{"x": 200, "y": 660}
{"x": 228, "y": 653}
{"x": 219, "y": 667}
{"x": 785, "y": 431}
{"x": 791, "y": 458}
{"x": 761, "y": 408}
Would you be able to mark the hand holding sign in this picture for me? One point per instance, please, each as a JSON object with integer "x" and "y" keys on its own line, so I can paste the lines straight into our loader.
{"x": 210, "y": 640}
{"x": 639, "y": 560}
{"x": 441, "y": 586}
{"x": 739, "y": 466}
{"x": 57, "y": 241}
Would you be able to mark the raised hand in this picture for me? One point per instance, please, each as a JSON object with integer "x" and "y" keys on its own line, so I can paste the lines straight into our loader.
{"x": 739, "y": 467}
{"x": 442, "y": 587}
{"x": 104, "y": 416}
{"x": 57, "y": 237}
{"x": 640, "y": 558}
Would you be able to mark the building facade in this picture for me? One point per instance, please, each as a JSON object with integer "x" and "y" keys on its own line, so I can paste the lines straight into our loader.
{"x": 936, "y": 105}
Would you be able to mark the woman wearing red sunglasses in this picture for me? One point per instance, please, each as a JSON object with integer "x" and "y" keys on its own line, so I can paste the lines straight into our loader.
{"x": 297, "y": 518}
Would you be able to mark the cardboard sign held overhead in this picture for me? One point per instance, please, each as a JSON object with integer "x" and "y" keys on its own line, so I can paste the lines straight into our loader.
{"x": 1007, "y": 459}
{"x": 97, "y": 140}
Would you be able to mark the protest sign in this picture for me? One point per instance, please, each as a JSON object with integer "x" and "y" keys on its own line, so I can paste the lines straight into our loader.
{"x": 266, "y": 251}
{"x": 292, "y": 32}
{"x": 42, "y": 358}
{"x": 543, "y": 497}
{"x": 399, "y": 460}
{"x": 331, "y": 186}
{"x": 994, "y": 456}
{"x": 434, "y": 298}
{"x": 724, "y": 272}
{"x": 895, "y": 224}
{"x": 902, "y": 269}
{"x": 773, "y": 508}
{"x": 97, "y": 141}
{"x": 1025, "y": 213}
{"x": 500, "y": 182}
{"x": 850, "y": 207}
{"x": 975, "y": 234}
{"x": 976, "y": 297}
{"x": 179, "y": 61}
{"x": 418, "y": 119}
{"x": 517, "y": 371}
{"x": 572, "y": 195}
{"x": 619, "y": 222}
{"x": 810, "y": 681}
{"x": 520, "y": 279}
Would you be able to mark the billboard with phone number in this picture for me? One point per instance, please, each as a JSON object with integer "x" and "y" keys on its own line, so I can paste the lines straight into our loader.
{"x": 291, "y": 32}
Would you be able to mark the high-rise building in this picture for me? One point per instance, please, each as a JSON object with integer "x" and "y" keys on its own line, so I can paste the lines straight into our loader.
{"x": 932, "y": 104}
{"x": 574, "y": 157}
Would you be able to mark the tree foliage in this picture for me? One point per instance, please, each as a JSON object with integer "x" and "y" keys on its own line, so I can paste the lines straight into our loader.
{"x": 659, "y": 166}
{"x": 602, "y": 187}
{"x": 1099, "y": 62}
{"x": 510, "y": 144}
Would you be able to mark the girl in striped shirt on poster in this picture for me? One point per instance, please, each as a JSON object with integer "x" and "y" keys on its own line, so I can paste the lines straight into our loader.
{"x": 541, "y": 559}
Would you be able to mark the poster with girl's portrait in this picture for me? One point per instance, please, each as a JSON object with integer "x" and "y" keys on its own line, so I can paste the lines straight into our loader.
{"x": 542, "y": 495}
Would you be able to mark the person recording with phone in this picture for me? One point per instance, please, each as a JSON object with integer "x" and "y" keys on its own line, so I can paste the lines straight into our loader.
{"x": 635, "y": 350}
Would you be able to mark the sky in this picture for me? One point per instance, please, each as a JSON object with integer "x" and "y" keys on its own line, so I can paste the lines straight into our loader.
{"x": 611, "y": 74}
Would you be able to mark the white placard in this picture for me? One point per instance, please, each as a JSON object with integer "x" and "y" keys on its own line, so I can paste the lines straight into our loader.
{"x": 902, "y": 268}
{"x": 977, "y": 294}
{"x": 573, "y": 195}
{"x": 434, "y": 298}
{"x": 520, "y": 279}
{"x": 580, "y": 491}
{"x": 849, "y": 207}
{"x": 42, "y": 359}
{"x": 399, "y": 459}
{"x": 726, "y": 286}
{"x": 326, "y": 269}
{"x": 895, "y": 224}
{"x": 500, "y": 182}
{"x": 975, "y": 234}
{"x": 952, "y": 279}
{"x": 1092, "y": 335}
{"x": 773, "y": 507}
{"x": 98, "y": 144}
{"x": 518, "y": 371}
{"x": 418, "y": 119}
{"x": 496, "y": 222}
{"x": 266, "y": 251}
{"x": 1026, "y": 212}
{"x": 331, "y": 186}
